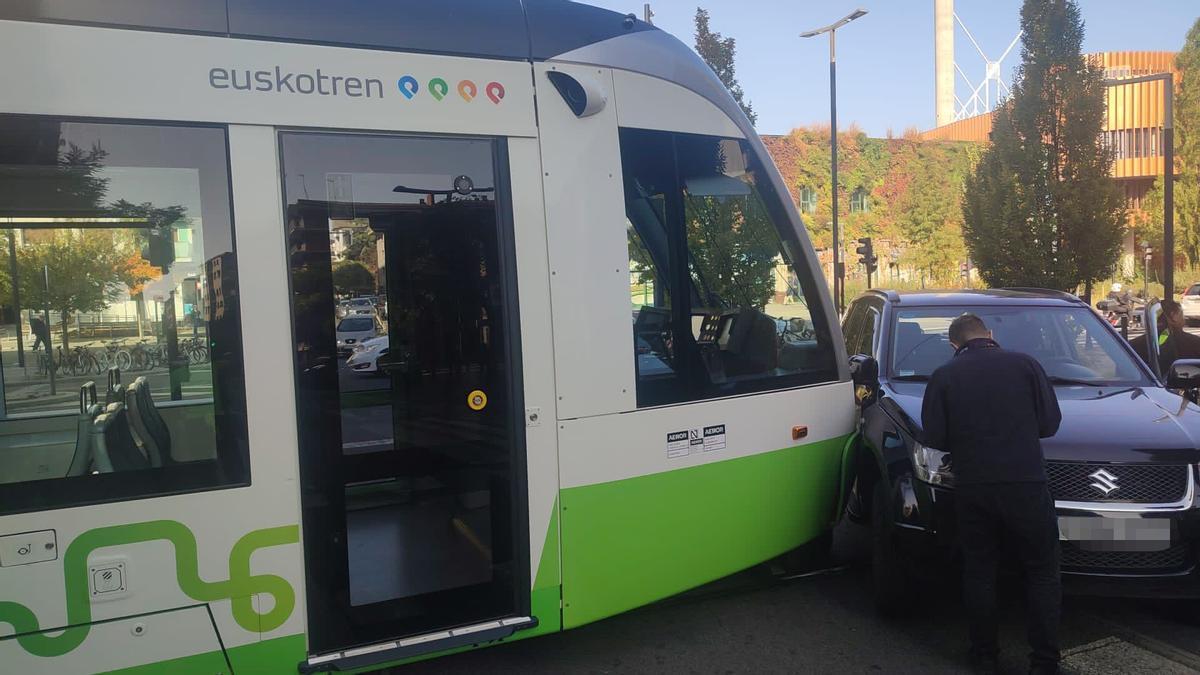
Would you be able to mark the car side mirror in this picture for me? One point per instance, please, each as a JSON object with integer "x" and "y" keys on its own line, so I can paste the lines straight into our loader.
{"x": 864, "y": 372}
{"x": 1184, "y": 375}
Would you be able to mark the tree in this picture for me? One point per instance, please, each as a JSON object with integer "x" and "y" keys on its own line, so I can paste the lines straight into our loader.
{"x": 1040, "y": 208}
{"x": 927, "y": 215}
{"x": 1187, "y": 159}
{"x": 71, "y": 271}
{"x": 351, "y": 277}
{"x": 733, "y": 249}
{"x": 137, "y": 270}
{"x": 914, "y": 186}
{"x": 718, "y": 52}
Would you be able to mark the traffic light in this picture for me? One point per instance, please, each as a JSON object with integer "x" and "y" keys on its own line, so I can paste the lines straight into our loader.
{"x": 159, "y": 249}
{"x": 867, "y": 257}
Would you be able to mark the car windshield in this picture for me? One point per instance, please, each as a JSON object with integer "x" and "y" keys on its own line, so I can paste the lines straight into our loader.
{"x": 355, "y": 325}
{"x": 1193, "y": 290}
{"x": 1071, "y": 343}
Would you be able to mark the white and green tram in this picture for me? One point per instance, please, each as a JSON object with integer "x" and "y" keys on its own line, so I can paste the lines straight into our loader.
{"x": 342, "y": 334}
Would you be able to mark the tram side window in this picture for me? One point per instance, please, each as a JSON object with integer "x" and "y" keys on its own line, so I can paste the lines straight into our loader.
{"x": 649, "y": 180}
{"x": 706, "y": 228}
{"x": 119, "y": 339}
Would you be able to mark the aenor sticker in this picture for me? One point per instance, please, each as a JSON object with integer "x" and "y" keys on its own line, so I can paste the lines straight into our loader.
{"x": 714, "y": 438}
{"x": 677, "y": 444}
{"x": 695, "y": 441}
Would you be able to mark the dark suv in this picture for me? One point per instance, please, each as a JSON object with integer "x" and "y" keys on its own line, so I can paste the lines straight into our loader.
{"x": 1123, "y": 467}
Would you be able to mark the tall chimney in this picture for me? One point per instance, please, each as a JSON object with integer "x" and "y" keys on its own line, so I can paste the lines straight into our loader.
{"x": 943, "y": 60}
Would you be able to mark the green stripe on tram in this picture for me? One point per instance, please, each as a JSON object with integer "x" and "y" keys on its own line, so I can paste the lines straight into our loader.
{"x": 630, "y": 542}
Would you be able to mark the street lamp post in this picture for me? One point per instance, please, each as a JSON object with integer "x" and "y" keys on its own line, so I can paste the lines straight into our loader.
{"x": 838, "y": 270}
{"x": 1168, "y": 81}
{"x": 1148, "y": 253}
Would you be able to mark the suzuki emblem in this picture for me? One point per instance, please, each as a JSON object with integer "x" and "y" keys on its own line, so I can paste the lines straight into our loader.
{"x": 1105, "y": 481}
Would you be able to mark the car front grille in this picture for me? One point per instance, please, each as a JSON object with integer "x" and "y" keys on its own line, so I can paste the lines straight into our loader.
{"x": 1118, "y": 483}
{"x": 1170, "y": 559}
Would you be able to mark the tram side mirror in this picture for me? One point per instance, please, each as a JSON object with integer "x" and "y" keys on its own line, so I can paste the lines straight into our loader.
{"x": 864, "y": 372}
{"x": 583, "y": 95}
{"x": 1184, "y": 375}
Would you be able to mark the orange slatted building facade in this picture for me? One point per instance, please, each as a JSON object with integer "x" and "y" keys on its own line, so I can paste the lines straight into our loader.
{"x": 1134, "y": 120}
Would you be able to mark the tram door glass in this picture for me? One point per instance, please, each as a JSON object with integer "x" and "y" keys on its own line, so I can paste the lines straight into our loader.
{"x": 404, "y": 388}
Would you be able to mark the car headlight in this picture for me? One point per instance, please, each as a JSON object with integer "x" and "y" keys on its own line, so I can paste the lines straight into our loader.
{"x": 360, "y": 347}
{"x": 932, "y": 466}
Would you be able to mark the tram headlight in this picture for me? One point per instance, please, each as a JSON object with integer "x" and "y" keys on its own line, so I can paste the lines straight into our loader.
{"x": 932, "y": 466}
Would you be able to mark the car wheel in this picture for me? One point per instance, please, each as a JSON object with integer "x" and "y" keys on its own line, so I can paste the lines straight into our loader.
{"x": 888, "y": 574}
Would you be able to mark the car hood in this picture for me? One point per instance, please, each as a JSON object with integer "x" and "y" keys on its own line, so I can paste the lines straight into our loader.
{"x": 1121, "y": 424}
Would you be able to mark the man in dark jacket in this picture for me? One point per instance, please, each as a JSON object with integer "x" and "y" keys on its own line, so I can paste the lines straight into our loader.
{"x": 41, "y": 335}
{"x": 1174, "y": 342}
{"x": 989, "y": 408}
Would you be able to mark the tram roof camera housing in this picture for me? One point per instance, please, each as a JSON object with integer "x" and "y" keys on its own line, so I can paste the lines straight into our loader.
{"x": 583, "y": 95}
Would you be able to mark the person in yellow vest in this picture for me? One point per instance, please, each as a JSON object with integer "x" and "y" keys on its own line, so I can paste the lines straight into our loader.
{"x": 1174, "y": 342}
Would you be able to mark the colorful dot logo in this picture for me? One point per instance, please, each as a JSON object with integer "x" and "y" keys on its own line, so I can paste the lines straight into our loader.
{"x": 408, "y": 86}
{"x": 438, "y": 88}
{"x": 495, "y": 91}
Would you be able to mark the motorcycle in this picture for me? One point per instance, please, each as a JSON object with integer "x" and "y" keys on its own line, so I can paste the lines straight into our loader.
{"x": 1123, "y": 310}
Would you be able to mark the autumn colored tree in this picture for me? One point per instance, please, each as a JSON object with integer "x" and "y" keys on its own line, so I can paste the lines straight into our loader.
{"x": 928, "y": 215}
{"x": 157, "y": 223}
{"x": 718, "y": 52}
{"x": 733, "y": 248}
{"x": 913, "y": 188}
{"x": 1040, "y": 208}
{"x": 70, "y": 271}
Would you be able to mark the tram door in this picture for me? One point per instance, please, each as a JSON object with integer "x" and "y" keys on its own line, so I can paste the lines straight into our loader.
{"x": 399, "y": 258}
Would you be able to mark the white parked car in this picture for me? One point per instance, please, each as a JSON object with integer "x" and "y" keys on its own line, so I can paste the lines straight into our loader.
{"x": 354, "y": 329}
{"x": 364, "y": 357}
{"x": 1190, "y": 302}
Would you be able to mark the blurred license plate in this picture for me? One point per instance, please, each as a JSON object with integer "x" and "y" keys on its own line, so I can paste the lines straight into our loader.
{"x": 1116, "y": 534}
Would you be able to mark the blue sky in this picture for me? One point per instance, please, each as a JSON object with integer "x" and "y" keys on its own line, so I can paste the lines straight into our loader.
{"x": 885, "y": 59}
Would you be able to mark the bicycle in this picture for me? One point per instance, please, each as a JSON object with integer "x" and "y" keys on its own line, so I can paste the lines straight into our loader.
{"x": 81, "y": 361}
{"x": 141, "y": 356}
{"x": 117, "y": 355}
{"x": 46, "y": 362}
{"x": 196, "y": 350}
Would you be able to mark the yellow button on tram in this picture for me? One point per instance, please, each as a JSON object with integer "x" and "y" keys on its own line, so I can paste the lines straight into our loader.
{"x": 477, "y": 400}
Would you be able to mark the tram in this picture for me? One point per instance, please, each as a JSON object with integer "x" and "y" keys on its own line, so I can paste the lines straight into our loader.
{"x": 466, "y": 323}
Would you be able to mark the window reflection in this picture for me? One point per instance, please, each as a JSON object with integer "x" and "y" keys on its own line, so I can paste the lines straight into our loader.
{"x": 118, "y": 326}
{"x": 745, "y": 321}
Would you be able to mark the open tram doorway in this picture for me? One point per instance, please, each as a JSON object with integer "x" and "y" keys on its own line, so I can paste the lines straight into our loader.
{"x": 407, "y": 365}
